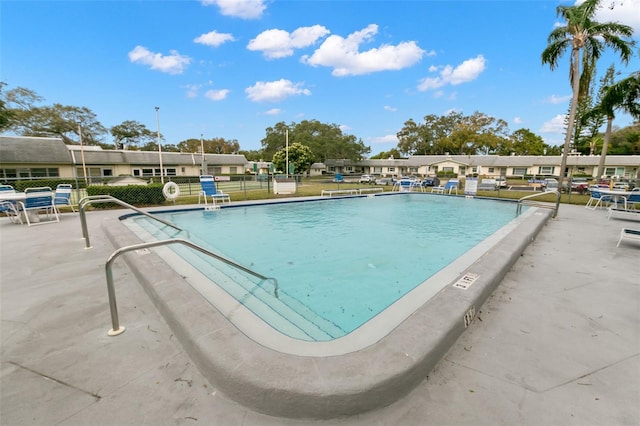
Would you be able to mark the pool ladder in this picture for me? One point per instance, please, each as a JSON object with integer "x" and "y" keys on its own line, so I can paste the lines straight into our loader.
{"x": 116, "y": 328}
{"x": 527, "y": 201}
{"x": 96, "y": 199}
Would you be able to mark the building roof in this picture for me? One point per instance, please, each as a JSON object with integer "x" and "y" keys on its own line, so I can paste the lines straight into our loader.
{"x": 28, "y": 149}
{"x": 25, "y": 150}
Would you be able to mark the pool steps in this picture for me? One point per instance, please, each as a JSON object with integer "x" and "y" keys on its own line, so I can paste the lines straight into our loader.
{"x": 286, "y": 314}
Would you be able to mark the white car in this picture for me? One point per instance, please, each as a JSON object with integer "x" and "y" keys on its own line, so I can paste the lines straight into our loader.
{"x": 366, "y": 179}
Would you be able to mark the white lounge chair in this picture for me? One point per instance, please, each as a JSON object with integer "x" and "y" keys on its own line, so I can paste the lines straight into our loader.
{"x": 208, "y": 184}
{"x": 626, "y": 214}
{"x": 629, "y": 234}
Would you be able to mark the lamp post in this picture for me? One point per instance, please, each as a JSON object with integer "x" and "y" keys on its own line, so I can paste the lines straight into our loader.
{"x": 159, "y": 146}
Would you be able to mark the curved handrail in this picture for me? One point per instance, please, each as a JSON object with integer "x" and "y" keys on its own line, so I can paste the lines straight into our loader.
{"x": 116, "y": 328}
{"x": 525, "y": 199}
{"x": 93, "y": 199}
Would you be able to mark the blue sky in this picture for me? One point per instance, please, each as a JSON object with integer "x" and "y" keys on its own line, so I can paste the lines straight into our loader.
{"x": 232, "y": 68}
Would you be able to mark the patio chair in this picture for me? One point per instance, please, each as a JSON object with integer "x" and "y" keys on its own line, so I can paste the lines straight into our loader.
{"x": 633, "y": 199}
{"x": 63, "y": 196}
{"x": 10, "y": 209}
{"x": 39, "y": 200}
{"x": 208, "y": 184}
{"x": 451, "y": 185}
{"x": 7, "y": 188}
{"x": 596, "y": 199}
{"x": 629, "y": 234}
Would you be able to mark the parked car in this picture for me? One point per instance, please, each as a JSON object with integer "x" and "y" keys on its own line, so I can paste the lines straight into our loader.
{"x": 501, "y": 182}
{"x": 384, "y": 181}
{"x": 550, "y": 185}
{"x": 366, "y": 179}
{"x": 580, "y": 185}
{"x": 430, "y": 181}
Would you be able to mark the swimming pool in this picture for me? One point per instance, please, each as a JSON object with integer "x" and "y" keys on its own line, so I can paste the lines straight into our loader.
{"x": 375, "y": 365}
{"x": 338, "y": 263}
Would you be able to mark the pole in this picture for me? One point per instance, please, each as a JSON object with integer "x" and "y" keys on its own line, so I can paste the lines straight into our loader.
{"x": 202, "y": 172}
{"x": 159, "y": 146}
{"x": 286, "y": 137}
{"x": 84, "y": 166}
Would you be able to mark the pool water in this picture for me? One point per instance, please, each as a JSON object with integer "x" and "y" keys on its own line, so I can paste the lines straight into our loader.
{"x": 338, "y": 262}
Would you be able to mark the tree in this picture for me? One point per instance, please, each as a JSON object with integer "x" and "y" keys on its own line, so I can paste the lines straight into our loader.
{"x": 623, "y": 95}
{"x": 211, "y": 146}
{"x": 299, "y": 155}
{"x": 428, "y": 138}
{"x": 326, "y": 141}
{"x": 130, "y": 133}
{"x": 593, "y": 121}
{"x": 583, "y": 36}
{"x": 522, "y": 142}
{"x": 392, "y": 153}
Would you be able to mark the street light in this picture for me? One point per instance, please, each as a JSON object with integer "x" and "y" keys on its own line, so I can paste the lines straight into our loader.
{"x": 159, "y": 146}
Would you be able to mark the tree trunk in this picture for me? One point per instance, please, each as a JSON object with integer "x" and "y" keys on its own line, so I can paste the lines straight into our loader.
{"x": 605, "y": 146}
{"x": 575, "y": 85}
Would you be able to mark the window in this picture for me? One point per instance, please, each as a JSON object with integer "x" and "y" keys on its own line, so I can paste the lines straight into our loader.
{"x": 377, "y": 170}
{"x": 491, "y": 170}
{"x": 447, "y": 169}
{"x": 107, "y": 172}
{"x": 215, "y": 170}
{"x": 170, "y": 172}
{"x": 349, "y": 169}
{"x": 38, "y": 172}
{"x": 519, "y": 171}
{"x": 546, "y": 170}
{"x": 463, "y": 170}
{"x": 474, "y": 169}
{"x": 413, "y": 170}
{"x": 391, "y": 169}
{"x": 233, "y": 170}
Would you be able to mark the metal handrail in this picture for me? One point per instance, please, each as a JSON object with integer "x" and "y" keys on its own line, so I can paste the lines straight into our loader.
{"x": 116, "y": 328}
{"x": 93, "y": 199}
{"x": 525, "y": 200}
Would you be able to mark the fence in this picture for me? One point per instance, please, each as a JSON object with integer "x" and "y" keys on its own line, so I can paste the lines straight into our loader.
{"x": 189, "y": 186}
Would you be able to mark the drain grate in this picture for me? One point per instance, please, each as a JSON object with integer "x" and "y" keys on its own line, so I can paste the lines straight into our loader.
{"x": 468, "y": 317}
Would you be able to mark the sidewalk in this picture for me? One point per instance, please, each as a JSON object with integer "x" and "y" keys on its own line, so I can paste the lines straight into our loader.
{"x": 558, "y": 343}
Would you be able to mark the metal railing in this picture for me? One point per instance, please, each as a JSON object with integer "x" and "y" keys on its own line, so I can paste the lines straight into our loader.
{"x": 528, "y": 202}
{"x": 116, "y": 328}
{"x": 95, "y": 199}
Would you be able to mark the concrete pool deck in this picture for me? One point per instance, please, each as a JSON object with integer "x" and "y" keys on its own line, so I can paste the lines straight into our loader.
{"x": 558, "y": 342}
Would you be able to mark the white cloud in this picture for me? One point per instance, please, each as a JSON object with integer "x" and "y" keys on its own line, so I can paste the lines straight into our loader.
{"x": 390, "y": 108}
{"x": 273, "y": 91}
{"x": 273, "y": 111}
{"x": 467, "y": 71}
{"x": 192, "y": 90}
{"x": 517, "y": 120}
{"x": 383, "y": 139}
{"x": 343, "y": 55}
{"x": 245, "y": 9}
{"x": 553, "y": 99}
{"x": 217, "y": 95}
{"x": 172, "y": 64}
{"x": 622, "y": 11}
{"x": 213, "y": 38}
{"x": 279, "y": 43}
{"x": 555, "y": 125}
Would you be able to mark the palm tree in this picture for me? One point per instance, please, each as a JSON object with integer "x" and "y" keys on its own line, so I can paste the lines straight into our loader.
{"x": 624, "y": 95}
{"x": 583, "y": 35}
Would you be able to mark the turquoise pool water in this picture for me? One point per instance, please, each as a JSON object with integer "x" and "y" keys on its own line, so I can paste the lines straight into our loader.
{"x": 338, "y": 262}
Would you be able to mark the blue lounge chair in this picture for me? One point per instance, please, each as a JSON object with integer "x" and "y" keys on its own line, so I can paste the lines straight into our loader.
{"x": 633, "y": 199}
{"x": 38, "y": 200}
{"x": 451, "y": 185}
{"x": 597, "y": 199}
{"x": 10, "y": 209}
{"x": 63, "y": 196}
{"x": 208, "y": 184}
